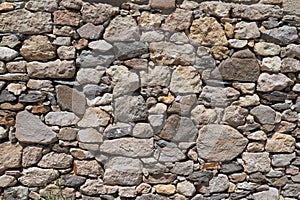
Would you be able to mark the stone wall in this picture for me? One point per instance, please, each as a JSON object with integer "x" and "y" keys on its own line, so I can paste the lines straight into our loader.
{"x": 149, "y": 100}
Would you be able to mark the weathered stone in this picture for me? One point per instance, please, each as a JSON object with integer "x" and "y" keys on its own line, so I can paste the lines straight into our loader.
{"x": 61, "y": 118}
{"x": 90, "y": 31}
{"x": 89, "y": 135}
{"x": 81, "y": 154}
{"x": 211, "y": 148}
{"x": 218, "y": 96}
{"x": 219, "y": 183}
{"x": 123, "y": 171}
{"x": 149, "y": 20}
{"x": 220, "y": 52}
{"x": 217, "y": 9}
{"x": 244, "y": 30}
{"x": 94, "y": 117}
{"x": 271, "y": 64}
{"x": 70, "y": 99}
{"x": 130, "y": 108}
{"x": 165, "y": 5}
{"x": 64, "y": 17}
{"x": 256, "y": 162}
{"x": 207, "y": 32}
{"x": 12, "y": 156}
{"x": 183, "y": 168}
{"x": 5, "y": 96}
{"x": 266, "y": 49}
{"x": 280, "y": 143}
{"x": 169, "y": 154}
{"x": 291, "y": 190}
{"x": 256, "y": 12}
{"x": 290, "y": 65}
{"x": 202, "y": 115}
{"x": 7, "y": 181}
{"x": 156, "y": 76}
{"x": 264, "y": 114}
{"x": 66, "y": 52}
{"x": 128, "y": 50}
{"x": 31, "y": 155}
{"x": 283, "y": 35}
{"x": 26, "y": 22}
{"x": 186, "y": 188}
{"x": 56, "y": 161}
{"x": 16, "y": 88}
{"x": 72, "y": 180}
{"x": 122, "y": 29}
{"x": 30, "y": 129}
{"x": 62, "y": 41}
{"x": 192, "y": 82}
{"x": 94, "y": 59}
{"x": 270, "y": 82}
{"x": 14, "y": 77}
{"x": 242, "y": 66}
{"x": 97, "y": 13}
{"x": 130, "y": 147}
{"x": 118, "y": 130}
{"x": 18, "y": 192}
{"x": 165, "y": 189}
{"x": 34, "y": 177}
{"x": 282, "y": 160}
{"x": 7, "y": 54}
{"x": 87, "y": 168}
{"x": 52, "y": 69}
{"x": 292, "y": 50}
{"x": 179, "y": 37}
{"x": 238, "y": 44}
{"x": 235, "y": 115}
{"x": 178, "y": 21}
{"x": 6, "y": 6}
{"x": 43, "y": 85}
{"x": 88, "y": 75}
{"x": 92, "y": 187}
{"x": 71, "y": 4}
{"x": 44, "y": 5}
{"x": 32, "y": 97}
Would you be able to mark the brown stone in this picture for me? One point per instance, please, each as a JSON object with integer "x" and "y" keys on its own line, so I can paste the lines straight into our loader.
{"x": 64, "y": 17}
{"x": 165, "y": 189}
{"x": 90, "y": 31}
{"x": 80, "y": 44}
{"x": 178, "y": 21}
{"x": 6, "y": 6}
{"x": 164, "y": 5}
{"x": 31, "y": 155}
{"x": 10, "y": 156}
{"x": 12, "y": 107}
{"x": 40, "y": 109}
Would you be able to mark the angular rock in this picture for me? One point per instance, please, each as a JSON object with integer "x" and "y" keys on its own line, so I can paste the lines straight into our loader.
{"x": 64, "y": 17}
{"x": 178, "y": 21}
{"x": 215, "y": 143}
{"x": 56, "y": 161}
{"x": 264, "y": 114}
{"x": 87, "y": 168}
{"x": 166, "y": 53}
{"x": 26, "y": 22}
{"x": 280, "y": 143}
{"x": 156, "y": 76}
{"x": 7, "y": 54}
{"x": 61, "y": 118}
{"x": 283, "y": 35}
{"x": 52, "y": 69}
{"x": 7, "y": 181}
{"x": 97, "y": 13}
{"x": 29, "y": 129}
{"x": 292, "y": 50}
{"x": 207, "y": 32}
{"x": 66, "y": 52}
{"x": 291, "y": 190}
{"x": 122, "y": 29}
{"x": 271, "y": 64}
{"x": 94, "y": 117}
{"x": 43, "y": 85}
{"x": 43, "y": 5}
{"x": 92, "y": 187}
{"x": 282, "y": 160}
{"x": 270, "y": 82}
{"x": 11, "y": 156}
{"x": 266, "y": 49}
{"x": 18, "y": 192}
{"x": 242, "y": 66}
{"x": 70, "y": 99}
{"x": 244, "y": 30}
{"x": 129, "y": 50}
{"x": 192, "y": 82}
{"x": 130, "y": 109}
{"x": 94, "y": 58}
{"x": 256, "y": 12}
{"x": 256, "y": 162}
{"x": 90, "y": 31}
{"x": 35, "y": 177}
{"x": 6, "y": 96}
{"x": 88, "y": 75}
{"x": 123, "y": 171}
{"x": 219, "y": 183}
{"x": 92, "y": 91}
{"x": 235, "y": 116}
{"x": 169, "y": 154}
{"x": 72, "y": 180}
{"x": 290, "y": 65}
{"x": 118, "y": 130}
{"x": 149, "y": 21}
{"x": 183, "y": 168}
{"x": 31, "y": 155}
{"x": 214, "y": 8}
{"x": 129, "y": 147}
{"x": 142, "y": 130}
{"x": 202, "y": 115}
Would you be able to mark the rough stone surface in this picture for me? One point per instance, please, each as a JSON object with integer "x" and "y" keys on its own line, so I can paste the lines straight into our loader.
{"x": 61, "y": 118}
{"x": 256, "y": 162}
{"x": 7, "y": 54}
{"x": 38, "y": 177}
{"x": 97, "y": 13}
{"x": 283, "y": 35}
{"x": 12, "y": 159}
{"x": 264, "y": 114}
{"x": 87, "y": 168}
{"x": 256, "y": 12}
{"x": 94, "y": 117}
{"x": 269, "y": 82}
{"x": 31, "y": 155}
{"x": 280, "y": 143}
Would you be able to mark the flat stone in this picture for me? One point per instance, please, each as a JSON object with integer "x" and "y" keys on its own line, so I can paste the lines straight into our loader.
{"x": 35, "y": 177}
{"x": 94, "y": 58}
{"x": 166, "y": 53}
{"x": 6, "y": 96}
{"x": 31, "y": 155}
{"x": 29, "y": 129}
{"x": 94, "y": 117}
{"x": 52, "y": 69}
{"x": 32, "y": 97}
{"x": 280, "y": 143}
{"x": 66, "y": 52}
{"x": 92, "y": 91}
{"x": 290, "y": 65}
{"x": 256, "y": 162}
{"x": 122, "y": 29}
{"x": 283, "y": 35}
{"x": 212, "y": 36}
{"x": 43, "y": 85}
{"x": 56, "y": 161}
{"x": 210, "y": 148}
{"x": 232, "y": 167}
{"x": 169, "y": 154}
{"x": 7, "y": 181}
{"x": 71, "y": 99}
{"x": 16, "y": 88}
{"x": 118, "y": 130}
{"x": 242, "y": 66}
{"x": 71, "y": 4}
{"x": 62, "y": 41}
{"x": 266, "y": 49}
{"x": 183, "y": 168}
{"x": 238, "y": 44}
{"x": 123, "y": 171}
{"x": 165, "y": 189}
{"x": 178, "y": 21}
{"x": 282, "y": 160}
{"x": 271, "y": 64}
{"x": 72, "y": 180}
{"x": 219, "y": 183}
{"x": 26, "y": 22}
{"x": 87, "y": 168}
{"x": 256, "y": 12}
{"x": 291, "y": 50}
{"x": 62, "y": 118}
{"x": 90, "y": 31}
{"x": 166, "y": 5}
{"x": 14, "y": 77}
{"x": 244, "y": 30}
{"x": 192, "y": 83}
{"x": 89, "y": 135}
{"x": 156, "y": 76}
{"x": 130, "y": 50}
{"x": 264, "y": 114}
{"x": 92, "y": 187}
{"x": 64, "y": 17}
{"x": 130, "y": 109}
{"x": 88, "y": 75}
{"x": 12, "y": 156}
{"x": 81, "y": 154}
{"x": 97, "y": 13}
{"x": 44, "y": 5}
{"x": 6, "y": 6}
{"x": 130, "y": 147}
{"x": 19, "y": 192}
{"x": 270, "y": 82}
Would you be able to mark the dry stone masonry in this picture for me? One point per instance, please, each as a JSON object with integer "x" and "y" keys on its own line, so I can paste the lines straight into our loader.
{"x": 150, "y": 99}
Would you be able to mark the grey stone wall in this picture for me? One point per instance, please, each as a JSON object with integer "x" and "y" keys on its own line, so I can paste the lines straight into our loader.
{"x": 149, "y": 100}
